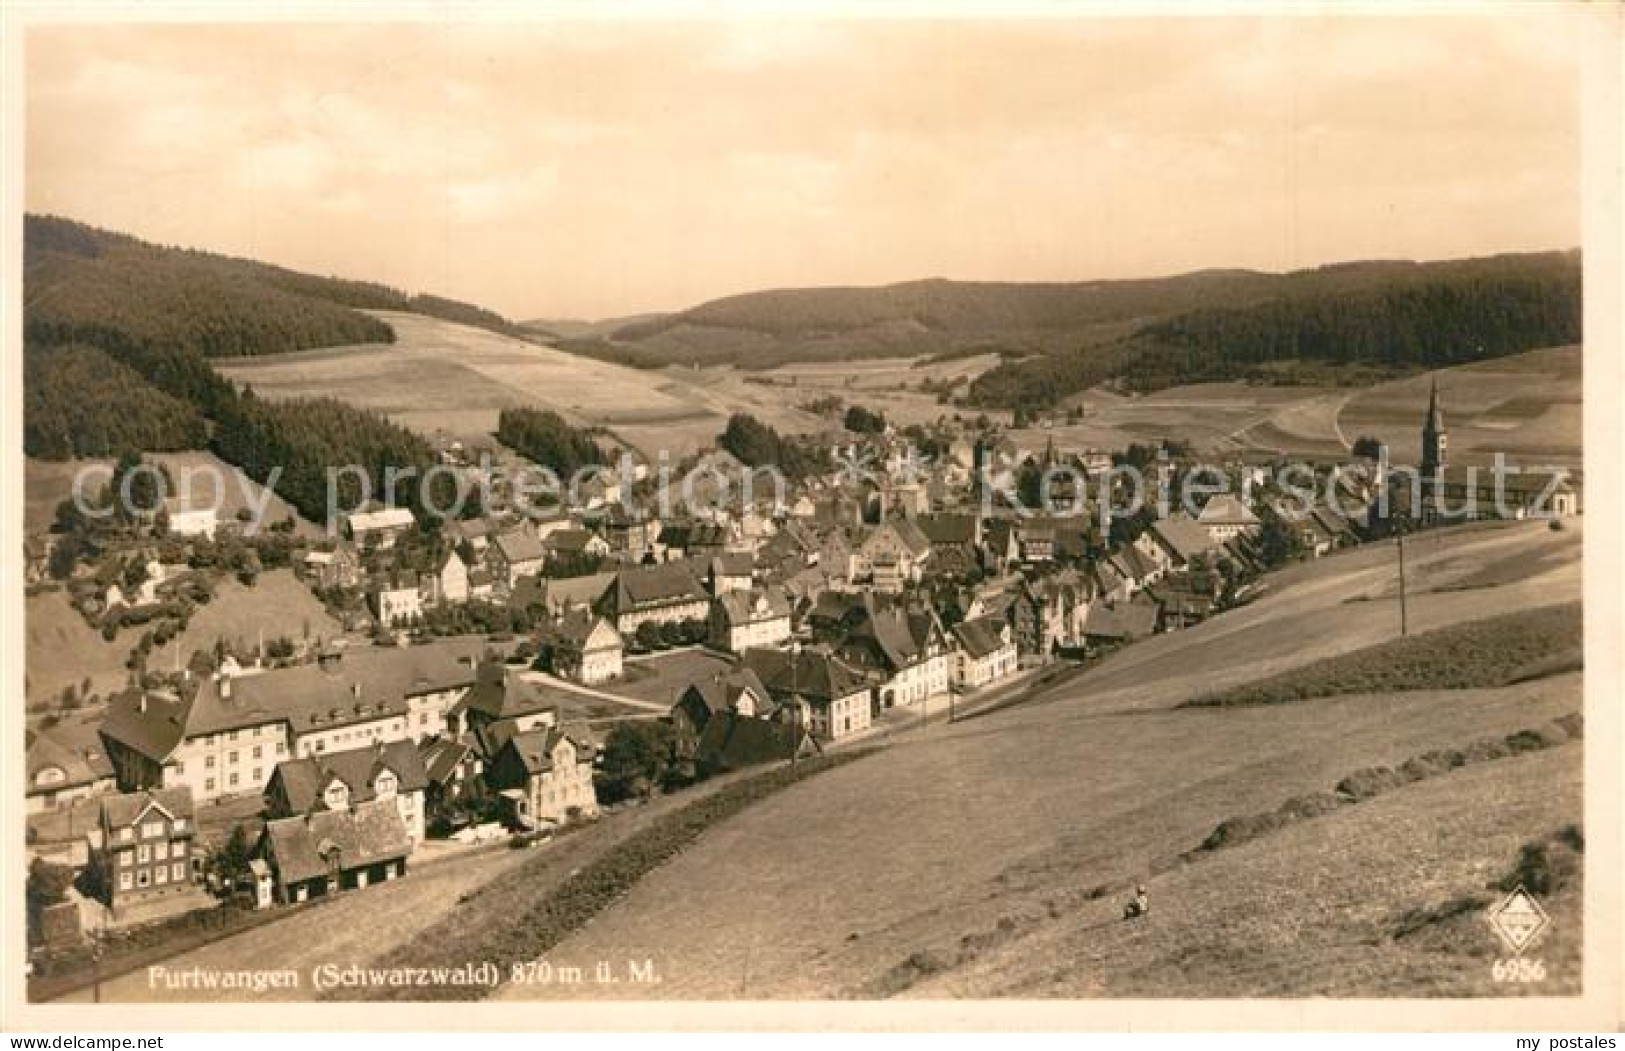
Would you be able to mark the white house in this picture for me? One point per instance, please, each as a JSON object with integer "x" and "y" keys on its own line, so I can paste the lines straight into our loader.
{"x": 741, "y": 620}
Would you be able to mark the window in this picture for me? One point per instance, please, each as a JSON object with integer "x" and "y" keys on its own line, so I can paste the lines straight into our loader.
{"x": 160, "y": 875}
{"x": 177, "y": 872}
{"x": 180, "y": 768}
{"x": 281, "y": 748}
{"x": 233, "y": 779}
{"x": 208, "y": 762}
{"x": 256, "y": 751}
{"x": 160, "y": 851}
{"x": 208, "y": 784}
{"x": 152, "y": 829}
{"x": 232, "y": 757}
{"x": 180, "y": 824}
{"x": 124, "y": 858}
{"x": 232, "y": 736}
{"x": 125, "y": 881}
{"x": 143, "y": 854}
{"x": 259, "y": 774}
{"x": 126, "y": 834}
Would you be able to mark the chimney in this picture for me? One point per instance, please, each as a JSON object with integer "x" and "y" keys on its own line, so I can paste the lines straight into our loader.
{"x": 141, "y": 705}
{"x": 225, "y": 687}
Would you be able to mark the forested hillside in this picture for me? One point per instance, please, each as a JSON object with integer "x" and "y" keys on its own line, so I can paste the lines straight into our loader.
{"x": 1388, "y": 320}
{"x": 67, "y": 391}
{"x": 119, "y": 332}
{"x": 1211, "y": 323}
{"x": 548, "y": 439}
{"x": 764, "y": 329}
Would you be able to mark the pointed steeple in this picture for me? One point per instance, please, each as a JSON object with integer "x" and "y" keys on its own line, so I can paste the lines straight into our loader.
{"x": 1435, "y": 421}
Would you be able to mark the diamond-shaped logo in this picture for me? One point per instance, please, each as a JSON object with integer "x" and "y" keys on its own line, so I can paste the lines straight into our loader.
{"x": 1518, "y": 920}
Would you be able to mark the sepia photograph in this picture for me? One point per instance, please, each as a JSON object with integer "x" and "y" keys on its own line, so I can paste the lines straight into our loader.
{"x": 554, "y": 509}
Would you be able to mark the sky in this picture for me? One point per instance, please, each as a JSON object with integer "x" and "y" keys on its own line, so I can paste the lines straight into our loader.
{"x": 596, "y": 169}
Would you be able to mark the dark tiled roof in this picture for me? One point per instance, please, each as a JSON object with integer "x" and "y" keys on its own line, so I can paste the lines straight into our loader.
{"x": 122, "y": 811}
{"x": 721, "y": 692}
{"x": 572, "y": 540}
{"x": 657, "y": 585}
{"x": 71, "y": 746}
{"x": 733, "y": 564}
{"x": 731, "y": 742}
{"x": 365, "y": 835}
{"x": 441, "y": 756}
{"x": 1226, "y": 509}
{"x": 519, "y": 545}
{"x": 151, "y": 724}
{"x": 304, "y": 780}
{"x": 814, "y": 674}
{"x": 755, "y": 604}
{"x": 359, "y": 685}
{"x": 947, "y": 528}
{"x": 501, "y": 695}
{"x": 1181, "y": 535}
{"x": 980, "y": 637}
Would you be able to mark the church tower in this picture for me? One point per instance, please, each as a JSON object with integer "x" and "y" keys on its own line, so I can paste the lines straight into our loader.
{"x": 1433, "y": 454}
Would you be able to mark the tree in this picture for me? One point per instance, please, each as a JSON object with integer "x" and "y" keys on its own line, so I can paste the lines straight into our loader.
{"x": 648, "y": 635}
{"x": 95, "y": 880}
{"x": 47, "y": 885}
{"x": 228, "y": 863}
{"x": 860, "y": 420}
{"x": 1367, "y": 446}
{"x": 635, "y": 759}
{"x": 1278, "y": 542}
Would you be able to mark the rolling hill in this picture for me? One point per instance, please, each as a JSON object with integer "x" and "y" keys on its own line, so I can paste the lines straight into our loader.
{"x": 1385, "y": 315}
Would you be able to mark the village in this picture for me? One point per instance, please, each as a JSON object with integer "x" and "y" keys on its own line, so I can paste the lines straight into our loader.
{"x": 511, "y": 677}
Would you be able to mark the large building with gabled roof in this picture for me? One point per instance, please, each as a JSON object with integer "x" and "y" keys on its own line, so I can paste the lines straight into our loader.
{"x": 223, "y": 735}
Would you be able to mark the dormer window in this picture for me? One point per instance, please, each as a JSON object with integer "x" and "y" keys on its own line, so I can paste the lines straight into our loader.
{"x": 337, "y": 796}
{"x": 384, "y": 786}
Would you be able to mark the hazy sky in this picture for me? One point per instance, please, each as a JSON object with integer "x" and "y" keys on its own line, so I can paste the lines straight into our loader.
{"x": 574, "y": 169}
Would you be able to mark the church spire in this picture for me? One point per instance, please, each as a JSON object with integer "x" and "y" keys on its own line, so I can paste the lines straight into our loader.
{"x": 1435, "y": 421}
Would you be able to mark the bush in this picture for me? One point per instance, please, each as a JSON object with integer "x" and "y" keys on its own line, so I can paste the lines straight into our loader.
{"x": 1548, "y": 865}
{"x": 1363, "y": 784}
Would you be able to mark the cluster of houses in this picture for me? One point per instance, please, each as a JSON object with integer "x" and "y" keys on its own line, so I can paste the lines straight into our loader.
{"x": 347, "y": 757}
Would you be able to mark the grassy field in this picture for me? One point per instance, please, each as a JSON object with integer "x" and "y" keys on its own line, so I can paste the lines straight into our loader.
{"x": 46, "y": 484}
{"x": 1526, "y": 405}
{"x": 473, "y": 374}
{"x": 62, "y": 650}
{"x": 277, "y": 605}
{"x": 541, "y": 921}
{"x": 1490, "y": 652}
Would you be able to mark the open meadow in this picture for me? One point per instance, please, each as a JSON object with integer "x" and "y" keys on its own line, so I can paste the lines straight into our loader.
{"x": 63, "y": 650}
{"x": 449, "y": 380}
{"x": 1526, "y": 406}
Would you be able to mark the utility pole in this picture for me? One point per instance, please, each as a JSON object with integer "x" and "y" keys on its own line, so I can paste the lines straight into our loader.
{"x": 1404, "y": 623}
